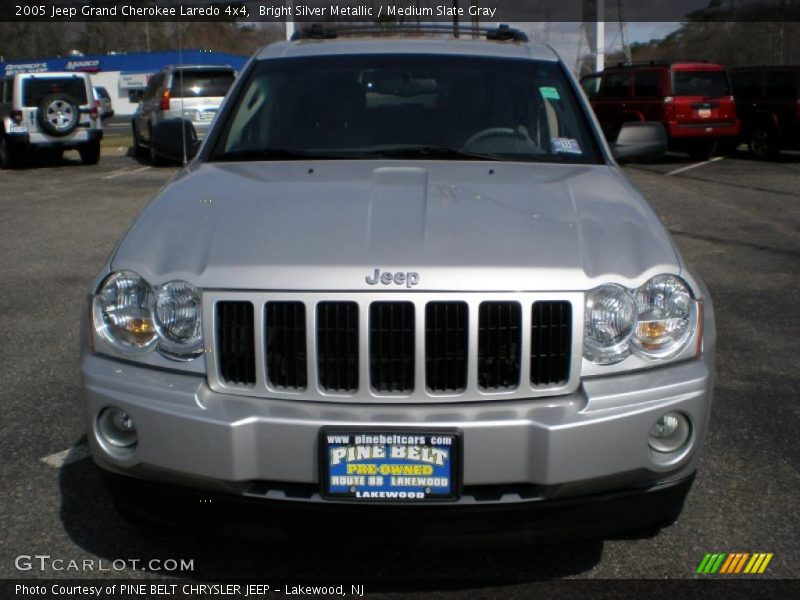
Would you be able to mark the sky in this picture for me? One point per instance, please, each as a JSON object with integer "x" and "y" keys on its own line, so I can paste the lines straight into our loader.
{"x": 565, "y": 38}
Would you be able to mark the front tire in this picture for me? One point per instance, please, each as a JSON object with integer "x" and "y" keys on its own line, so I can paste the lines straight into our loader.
{"x": 139, "y": 151}
{"x": 155, "y": 158}
{"x": 8, "y": 159}
{"x": 90, "y": 153}
{"x": 763, "y": 143}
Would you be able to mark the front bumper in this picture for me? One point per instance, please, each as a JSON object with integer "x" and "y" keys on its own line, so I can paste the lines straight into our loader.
{"x": 589, "y": 442}
{"x": 633, "y": 511}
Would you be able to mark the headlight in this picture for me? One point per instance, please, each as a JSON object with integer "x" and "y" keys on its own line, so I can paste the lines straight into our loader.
{"x": 667, "y": 315}
{"x": 135, "y": 318}
{"x": 178, "y": 320}
{"x": 654, "y": 322}
{"x": 123, "y": 312}
{"x": 609, "y": 323}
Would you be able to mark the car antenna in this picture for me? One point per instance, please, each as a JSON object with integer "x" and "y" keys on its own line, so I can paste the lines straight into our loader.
{"x": 183, "y": 92}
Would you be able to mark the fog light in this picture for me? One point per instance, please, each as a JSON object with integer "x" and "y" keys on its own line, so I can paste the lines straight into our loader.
{"x": 117, "y": 427}
{"x": 670, "y": 433}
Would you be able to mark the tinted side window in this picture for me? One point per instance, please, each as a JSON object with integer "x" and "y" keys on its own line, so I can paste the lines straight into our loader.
{"x": 647, "y": 84}
{"x": 617, "y": 85}
{"x": 781, "y": 85}
{"x": 6, "y": 95}
{"x": 747, "y": 85}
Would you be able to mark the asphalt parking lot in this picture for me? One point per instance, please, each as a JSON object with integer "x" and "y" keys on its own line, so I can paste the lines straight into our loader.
{"x": 737, "y": 222}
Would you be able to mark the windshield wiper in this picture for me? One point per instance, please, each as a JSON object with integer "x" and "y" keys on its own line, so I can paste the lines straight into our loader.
{"x": 275, "y": 154}
{"x": 439, "y": 152}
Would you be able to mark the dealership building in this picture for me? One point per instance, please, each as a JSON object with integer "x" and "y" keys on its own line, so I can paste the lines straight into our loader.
{"x": 124, "y": 75}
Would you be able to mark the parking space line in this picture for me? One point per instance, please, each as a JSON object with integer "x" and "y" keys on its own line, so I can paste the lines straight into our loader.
{"x": 65, "y": 457}
{"x": 118, "y": 172}
{"x": 694, "y": 166}
{"x": 126, "y": 172}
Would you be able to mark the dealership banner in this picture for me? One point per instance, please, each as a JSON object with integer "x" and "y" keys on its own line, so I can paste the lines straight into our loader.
{"x": 397, "y": 11}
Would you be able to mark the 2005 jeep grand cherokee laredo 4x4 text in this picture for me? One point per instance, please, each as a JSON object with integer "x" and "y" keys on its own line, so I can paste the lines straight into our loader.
{"x": 402, "y": 279}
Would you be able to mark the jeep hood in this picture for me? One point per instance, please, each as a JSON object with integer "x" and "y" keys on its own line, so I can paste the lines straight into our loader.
{"x": 328, "y": 225}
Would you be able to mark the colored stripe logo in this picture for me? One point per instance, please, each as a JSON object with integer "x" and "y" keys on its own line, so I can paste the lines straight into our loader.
{"x": 734, "y": 563}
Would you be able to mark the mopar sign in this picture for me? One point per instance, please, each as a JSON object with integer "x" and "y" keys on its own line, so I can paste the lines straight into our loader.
{"x": 83, "y": 65}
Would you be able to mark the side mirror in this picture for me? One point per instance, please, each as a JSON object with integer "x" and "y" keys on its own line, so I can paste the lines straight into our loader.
{"x": 640, "y": 141}
{"x": 175, "y": 139}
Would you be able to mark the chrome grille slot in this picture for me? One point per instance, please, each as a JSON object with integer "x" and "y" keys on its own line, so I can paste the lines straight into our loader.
{"x": 391, "y": 346}
{"x": 337, "y": 346}
{"x": 499, "y": 345}
{"x": 446, "y": 325}
{"x": 286, "y": 344}
{"x": 551, "y": 337}
{"x": 235, "y": 342}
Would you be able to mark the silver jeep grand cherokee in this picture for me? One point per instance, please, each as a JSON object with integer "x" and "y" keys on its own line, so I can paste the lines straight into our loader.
{"x": 402, "y": 276}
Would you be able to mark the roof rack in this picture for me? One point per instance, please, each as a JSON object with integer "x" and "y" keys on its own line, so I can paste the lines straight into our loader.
{"x": 652, "y": 63}
{"x": 502, "y": 33}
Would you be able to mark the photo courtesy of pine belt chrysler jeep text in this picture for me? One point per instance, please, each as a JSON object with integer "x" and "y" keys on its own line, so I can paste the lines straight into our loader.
{"x": 403, "y": 279}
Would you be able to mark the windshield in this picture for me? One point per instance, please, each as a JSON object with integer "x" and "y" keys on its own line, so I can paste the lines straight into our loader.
{"x": 709, "y": 84}
{"x": 405, "y": 106}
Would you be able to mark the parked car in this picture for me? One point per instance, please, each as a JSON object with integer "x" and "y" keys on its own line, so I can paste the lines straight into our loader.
{"x": 103, "y": 99}
{"x": 693, "y": 100}
{"x": 403, "y": 279}
{"x": 768, "y": 103}
{"x": 194, "y": 92}
{"x": 46, "y": 113}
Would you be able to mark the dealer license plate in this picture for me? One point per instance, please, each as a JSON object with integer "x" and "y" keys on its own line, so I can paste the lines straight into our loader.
{"x": 375, "y": 466}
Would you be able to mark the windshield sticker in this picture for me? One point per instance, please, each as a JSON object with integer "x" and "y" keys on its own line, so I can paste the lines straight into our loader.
{"x": 549, "y": 93}
{"x": 566, "y": 145}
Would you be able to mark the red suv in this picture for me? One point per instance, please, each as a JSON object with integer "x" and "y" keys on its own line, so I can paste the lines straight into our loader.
{"x": 768, "y": 103}
{"x": 693, "y": 100}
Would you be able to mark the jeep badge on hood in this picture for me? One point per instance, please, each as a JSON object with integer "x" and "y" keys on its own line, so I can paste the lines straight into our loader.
{"x": 410, "y": 279}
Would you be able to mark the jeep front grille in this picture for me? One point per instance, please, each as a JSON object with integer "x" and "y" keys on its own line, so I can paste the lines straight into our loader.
{"x": 551, "y": 338}
{"x": 499, "y": 345}
{"x": 337, "y": 346}
{"x": 286, "y": 344}
{"x": 393, "y": 347}
{"x": 235, "y": 344}
{"x": 446, "y": 346}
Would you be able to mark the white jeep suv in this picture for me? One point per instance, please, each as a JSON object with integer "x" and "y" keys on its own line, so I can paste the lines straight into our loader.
{"x": 49, "y": 113}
